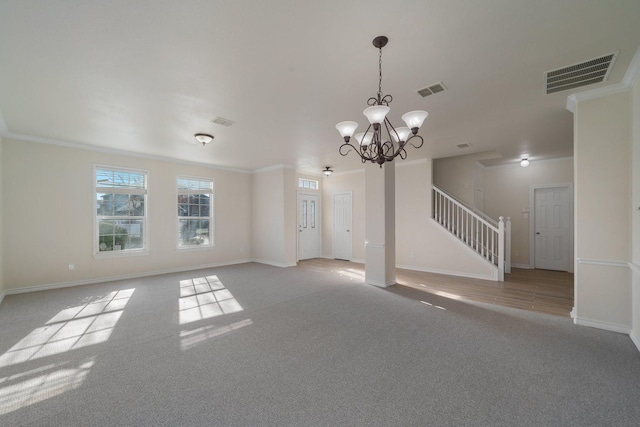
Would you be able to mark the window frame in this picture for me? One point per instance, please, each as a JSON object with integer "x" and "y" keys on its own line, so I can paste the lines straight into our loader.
{"x": 144, "y": 250}
{"x": 303, "y": 181}
{"x": 211, "y": 217}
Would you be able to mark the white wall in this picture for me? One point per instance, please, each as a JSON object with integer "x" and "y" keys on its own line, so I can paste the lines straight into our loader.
{"x": 459, "y": 175}
{"x": 48, "y": 209}
{"x": 1, "y": 220}
{"x": 635, "y": 208}
{"x": 342, "y": 183}
{"x": 506, "y": 193}
{"x": 273, "y": 216}
{"x": 421, "y": 244}
{"x": 602, "y": 155}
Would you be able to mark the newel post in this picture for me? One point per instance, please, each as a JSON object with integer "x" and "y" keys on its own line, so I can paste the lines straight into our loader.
{"x": 501, "y": 249}
{"x": 507, "y": 248}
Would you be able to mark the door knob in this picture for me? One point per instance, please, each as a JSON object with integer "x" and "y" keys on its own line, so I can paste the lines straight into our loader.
{"x": 537, "y": 232}
{"x": 347, "y": 231}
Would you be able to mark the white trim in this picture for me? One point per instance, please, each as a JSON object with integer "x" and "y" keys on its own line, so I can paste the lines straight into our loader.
{"x": 613, "y": 327}
{"x": 107, "y": 150}
{"x": 635, "y": 339}
{"x": 493, "y": 277}
{"x": 523, "y": 266}
{"x": 212, "y": 210}
{"x": 275, "y": 264}
{"x": 633, "y": 72}
{"x": 380, "y": 284}
{"x": 572, "y": 100}
{"x": 607, "y": 263}
{"x": 635, "y": 267}
{"x": 629, "y": 79}
{"x": 516, "y": 163}
{"x": 272, "y": 168}
{"x": 532, "y": 222}
{"x": 304, "y": 192}
{"x": 3, "y": 126}
{"x": 60, "y": 285}
{"x": 2, "y": 296}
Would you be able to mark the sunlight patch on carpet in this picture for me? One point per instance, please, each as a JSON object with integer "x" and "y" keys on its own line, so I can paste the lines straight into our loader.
{"x": 204, "y": 298}
{"x": 70, "y": 329}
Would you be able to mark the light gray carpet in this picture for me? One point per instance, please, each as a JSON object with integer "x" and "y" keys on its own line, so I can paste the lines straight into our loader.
{"x": 301, "y": 348}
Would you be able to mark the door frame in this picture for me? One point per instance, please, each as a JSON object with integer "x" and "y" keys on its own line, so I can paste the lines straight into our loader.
{"x": 532, "y": 222}
{"x": 333, "y": 222}
{"x": 318, "y": 221}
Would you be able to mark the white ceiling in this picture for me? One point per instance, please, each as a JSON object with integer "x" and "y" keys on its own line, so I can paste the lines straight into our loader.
{"x": 145, "y": 75}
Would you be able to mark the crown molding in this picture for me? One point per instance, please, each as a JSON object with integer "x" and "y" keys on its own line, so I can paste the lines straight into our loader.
{"x": 86, "y": 147}
{"x": 272, "y": 168}
{"x": 630, "y": 77}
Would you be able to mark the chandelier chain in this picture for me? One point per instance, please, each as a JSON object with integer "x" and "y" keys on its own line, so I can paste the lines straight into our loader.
{"x": 380, "y": 75}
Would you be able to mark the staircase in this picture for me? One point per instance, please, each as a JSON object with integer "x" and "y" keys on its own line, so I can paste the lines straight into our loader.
{"x": 487, "y": 237}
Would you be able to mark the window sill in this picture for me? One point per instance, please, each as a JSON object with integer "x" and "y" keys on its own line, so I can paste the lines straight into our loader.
{"x": 194, "y": 248}
{"x": 120, "y": 254}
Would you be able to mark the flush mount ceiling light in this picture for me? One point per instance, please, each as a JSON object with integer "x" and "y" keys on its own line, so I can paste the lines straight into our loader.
{"x": 373, "y": 146}
{"x": 203, "y": 138}
{"x": 327, "y": 171}
{"x": 524, "y": 162}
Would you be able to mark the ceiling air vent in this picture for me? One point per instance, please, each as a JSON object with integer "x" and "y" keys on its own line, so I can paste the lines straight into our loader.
{"x": 463, "y": 145}
{"x": 434, "y": 88}
{"x": 586, "y": 73}
{"x": 222, "y": 121}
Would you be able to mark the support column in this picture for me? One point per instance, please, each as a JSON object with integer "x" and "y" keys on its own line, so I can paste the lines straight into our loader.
{"x": 380, "y": 224}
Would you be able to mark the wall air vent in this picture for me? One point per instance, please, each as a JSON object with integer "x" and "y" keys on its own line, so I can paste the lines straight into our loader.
{"x": 222, "y": 121}
{"x": 434, "y": 88}
{"x": 586, "y": 73}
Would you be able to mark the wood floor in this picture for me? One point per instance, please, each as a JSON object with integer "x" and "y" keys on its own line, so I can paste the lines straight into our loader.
{"x": 543, "y": 291}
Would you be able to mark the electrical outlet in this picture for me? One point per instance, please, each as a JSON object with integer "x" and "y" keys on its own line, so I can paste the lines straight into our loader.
{"x": 72, "y": 267}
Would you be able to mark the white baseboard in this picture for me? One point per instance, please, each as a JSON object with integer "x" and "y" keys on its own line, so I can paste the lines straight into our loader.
{"x": 635, "y": 339}
{"x": 60, "y": 285}
{"x": 613, "y": 327}
{"x": 275, "y": 264}
{"x": 2, "y": 297}
{"x": 523, "y": 266}
{"x": 493, "y": 276}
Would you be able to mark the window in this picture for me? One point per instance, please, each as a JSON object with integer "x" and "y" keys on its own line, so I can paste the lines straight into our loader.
{"x": 195, "y": 212}
{"x": 308, "y": 183}
{"x": 121, "y": 211}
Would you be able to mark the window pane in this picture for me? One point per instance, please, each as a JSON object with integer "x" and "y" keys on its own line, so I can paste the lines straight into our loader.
{"x": 120, "y": 179}
{"x": 115, "y": 233}
{"x": 313, "y": 214}
{"x": 193, "y": 232}
{"x": 304, "y": 214}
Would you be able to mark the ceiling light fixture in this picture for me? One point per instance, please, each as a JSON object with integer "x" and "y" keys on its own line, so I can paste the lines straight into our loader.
{"x": 327, "y": 171}
{"x": 203, "y": 138}
{"x": 524, "y": 162}
{"x": 373, "y": 146}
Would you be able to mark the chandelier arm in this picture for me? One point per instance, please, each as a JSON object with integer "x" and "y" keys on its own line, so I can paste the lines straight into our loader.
{"x": 414, "y": 145}
{"x": 349, "y": 147}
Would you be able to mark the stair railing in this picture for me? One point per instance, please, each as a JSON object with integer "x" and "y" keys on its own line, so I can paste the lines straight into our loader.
{"x": 488, "y": 238}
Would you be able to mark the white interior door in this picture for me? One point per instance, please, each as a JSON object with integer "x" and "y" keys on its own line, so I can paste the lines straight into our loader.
{"x": 552, "y": 228}
{"x": 308, "y": 226}
{"x": 342, "y": 239}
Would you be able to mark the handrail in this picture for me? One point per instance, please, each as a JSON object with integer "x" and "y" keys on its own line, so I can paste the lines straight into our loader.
{"x": 478, "y": 232}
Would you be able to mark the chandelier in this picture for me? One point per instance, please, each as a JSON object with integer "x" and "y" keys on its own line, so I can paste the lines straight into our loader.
{"x": 384, "y": 143}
